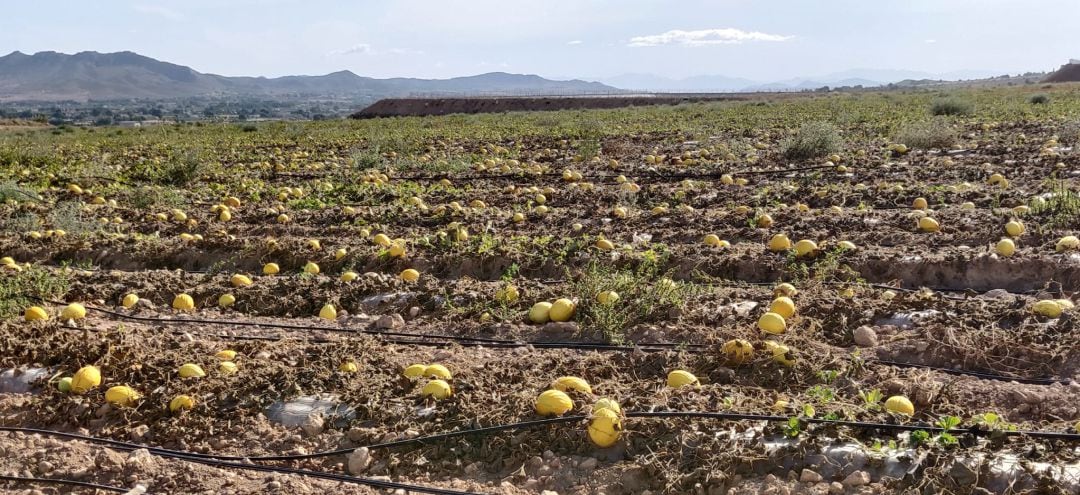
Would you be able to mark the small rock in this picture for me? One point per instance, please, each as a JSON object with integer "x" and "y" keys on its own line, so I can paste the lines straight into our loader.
{"x": 865, "y": 336}
{"x": 45, "y": 467}
{"x": 138, "y": 433}
{"x": 273, "y": 485}
{"x": 858, "y": 478}
{"x": 313, "y": 425}
{"x": 561, "y": 327}
{"x": 809, "y": 476}
{"x": 589, "y": 464}
{"x": 359, "y": 460}
{"x": 390, "y": 321}
{"x": 836, "y": 488}
{"x": 414, "y": 311}
{"x": 549, "y": 492}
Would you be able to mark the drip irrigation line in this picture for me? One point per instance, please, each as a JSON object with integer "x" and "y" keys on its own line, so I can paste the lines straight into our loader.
{"x": 226, "y": 462}
{"x": 235, "y": 460}
{"x": 58, "y": 481}
{"x": 976, "y": 374}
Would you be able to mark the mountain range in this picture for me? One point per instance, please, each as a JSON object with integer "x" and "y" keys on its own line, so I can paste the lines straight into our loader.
{"x": 853, "y": 77}
{"x": 52, "y": 76}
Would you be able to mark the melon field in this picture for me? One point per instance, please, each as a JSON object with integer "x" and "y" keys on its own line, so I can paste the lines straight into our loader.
{"x": 838, "y": 293}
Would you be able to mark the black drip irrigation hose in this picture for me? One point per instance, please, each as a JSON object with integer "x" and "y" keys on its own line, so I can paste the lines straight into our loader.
{"x": 227, "y": 462}
{"x": 233, "y": 459}
{"x": 57, "y": 481}
{"x": 450, "y": 340}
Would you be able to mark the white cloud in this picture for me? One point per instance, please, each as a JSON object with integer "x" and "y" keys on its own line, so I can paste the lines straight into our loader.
{"x": 361, "y": 48}
{"x": 158, "y": 10}
{"x": 930, "y": 42}
{"x": 574, "y": 42}
{"x": 704, "y": 37}
{"x": 367, "y": 49}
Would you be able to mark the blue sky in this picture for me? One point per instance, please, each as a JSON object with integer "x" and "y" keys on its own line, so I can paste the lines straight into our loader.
{"x": 756, "y": 39}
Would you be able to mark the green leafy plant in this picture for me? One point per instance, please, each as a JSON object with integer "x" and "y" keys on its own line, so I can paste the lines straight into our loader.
{"x": 793, "y": 428}
{"x": 872, "y": 399}
{"x": 947, "y": 423}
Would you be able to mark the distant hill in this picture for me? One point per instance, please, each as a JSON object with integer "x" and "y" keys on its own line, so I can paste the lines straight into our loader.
{"x": 1069, "y": 72}
{"x": 52, "y": 76}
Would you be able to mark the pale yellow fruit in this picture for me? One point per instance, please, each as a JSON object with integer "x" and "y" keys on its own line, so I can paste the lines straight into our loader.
{"x": 553, "y": 403}
{"x": 415, "y": 370}
{"x": 604, "y": 245}
{"x": 35, "y": 313}
{"x": 227, "y": 367}
{"x": 226, "y": 300}
{"x": 681, "y": 378}
{"x": 779, "y": 242}
{"x": 240, "y": 280}
{"x": 571, "y": 383}
{"x": 607, "y": 297}
{"x": 181, "y": 403}
{"x": 129, "y": 301}
{"x": 271, "y": 269}
{"x": 348, "y": 367}
{"x": 437, "y": 371}
{"x": 846, "y": 246}
{"x": 781, "y": 354}
{"x": 381, "y": 240}
{"x": 397, "y": 249}
{"x": 606, "y": 403}
{"x": 121, "y": 396}
{"x": 226, "y": 354}
{"x": 340, "y": 254}
{"x": 437, "y": 389}
{"x": 805, "y": 247}
{"x": 508, "y": 294}
{"x": 783, "y": 306}
{"x": 311, "y": 268}
{"x": 410, "y": 275}
{"x": 604, "y": 428}
{"x": 920, "y": 204}
{"x": 561, "y": 310}
{"x": 764, "y": 221}
{"x": 540, "y": 312}
{"x": 900, "y": 405}
{"x": 1047, "y": 308}
{"x": 711, "y": 240}
{"x": 1067, "y": 243}
{"x": 87, "y": 378}
{"x": 927, "y": 224}
{"x": 328, "y": 312}
{"x": 349, "y": 276}
{"x": 738, "y": 351}
{"x": 183, "y": 302}
{"x": 1014, "y": 228}
{"x": 772, "y": 323}
{"x": 73, "y": 311}
{"x": 232, "y": 202}
{"x": 785, "y": 289}
{"x": 191, "y": 370}
{"x": 1005, "y": 247}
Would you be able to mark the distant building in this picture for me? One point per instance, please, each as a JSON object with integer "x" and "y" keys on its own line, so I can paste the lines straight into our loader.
{"x": 129, "y": 123}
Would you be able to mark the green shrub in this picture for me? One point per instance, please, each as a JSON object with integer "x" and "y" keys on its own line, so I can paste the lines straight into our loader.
{"x": 812, "y": 140}
{"x": 952, "y": 106}
{"x": 1039, "y": 99}
{"x": 929, "y": 134}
